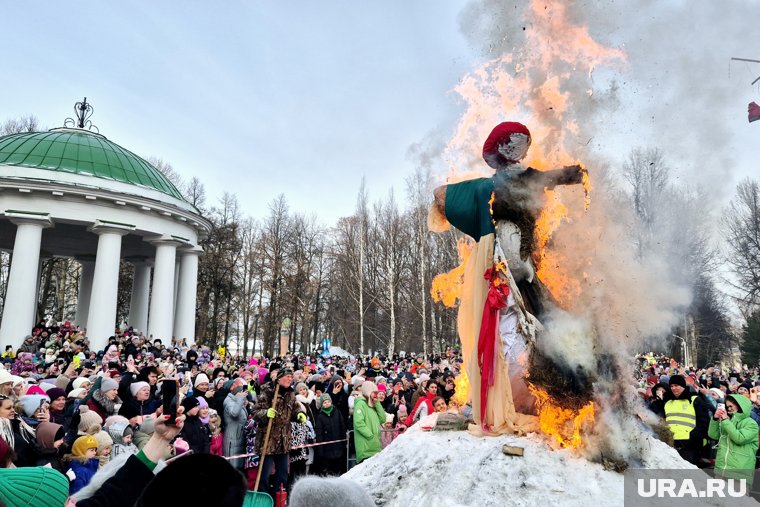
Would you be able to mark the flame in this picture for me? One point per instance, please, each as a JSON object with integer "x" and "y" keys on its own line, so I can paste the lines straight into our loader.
{"x": 447, "y": 287}
{"x": 563, "y": 425}
{"x": 547, "y": 85}
{"x": 461, "y": 389}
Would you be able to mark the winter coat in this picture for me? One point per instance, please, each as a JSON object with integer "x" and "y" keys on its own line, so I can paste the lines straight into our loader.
{"x": 310, "y": 404}
{"x": 423, "y": 407}
{"x": 367, "y": 422}
{"x": 235, "y": 416}
{"x": 302, "y": 434}
{"x": 330, "y": 427}
{"x": 84, "y": 473}
{"x": 340, "y": 400}
{"x": 196, "y": 434}
{"x": 737, "y": 439}
{"x": 287, "y": 409}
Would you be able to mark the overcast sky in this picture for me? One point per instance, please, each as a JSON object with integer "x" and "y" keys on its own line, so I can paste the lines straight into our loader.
{"x": 305, "y": 97}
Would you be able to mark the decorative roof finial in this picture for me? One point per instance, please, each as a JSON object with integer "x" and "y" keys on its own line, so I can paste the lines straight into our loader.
{"x": 83, "y": 111}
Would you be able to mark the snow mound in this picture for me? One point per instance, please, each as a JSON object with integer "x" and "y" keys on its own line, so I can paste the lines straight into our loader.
{"x": 448, "y": 468}
{"x": 338, "y": 352}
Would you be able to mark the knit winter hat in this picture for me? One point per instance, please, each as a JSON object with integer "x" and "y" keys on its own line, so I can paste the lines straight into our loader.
{"x": 5, "y": 376}
{"x": 401, "y": 411}
{"x": 324, "y": 397}
{"x": 382, "y": 387}
{"x": 79, "y": 382}
{"x": 368, "y": 388}
{"x": 76, "y": 393}
{"x": 31, "y": 402}
{"x": 677, "y": 380}
{"x": 56, "y": 393}
{"x": 237, "y": 386}
{"x": 200, "y": 379}
{"x": 190, "y": 403}
{"x": 300, "y": 385}
{"x": 284, "y": 372}
{"x": 717, "y": 392}
{"x": 36, "y": 390}
{"x": 135, "y": 388}
{"x": 108, "y": 384}
{"x": 83, "y": 444}
{"x": 103, "y": 439}
{"x": 32, "y": 486}
{"x": 89, "y": 421}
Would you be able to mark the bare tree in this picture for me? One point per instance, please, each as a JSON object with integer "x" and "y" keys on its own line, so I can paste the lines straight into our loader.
{"x": 742, "y": 228}
{"x": 22, "y": 124}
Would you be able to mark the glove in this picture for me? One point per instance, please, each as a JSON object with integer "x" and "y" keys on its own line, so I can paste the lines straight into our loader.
{"x": 271, "y": 413}
{"x": 301, "y": 417}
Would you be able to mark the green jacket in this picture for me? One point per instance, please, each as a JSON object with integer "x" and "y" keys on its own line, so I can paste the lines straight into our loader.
{"x": 367, "y": 428}
{"x": 737, "y": 442}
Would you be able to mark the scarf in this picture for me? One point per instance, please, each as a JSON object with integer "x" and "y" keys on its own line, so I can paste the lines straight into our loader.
{"x": 108, "y": 405}
{"x": 6, "y": 432}
{"x": 328, "y": 410}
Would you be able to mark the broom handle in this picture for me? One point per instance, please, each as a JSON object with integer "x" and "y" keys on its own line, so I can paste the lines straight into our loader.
{"x": 266, "y": 439}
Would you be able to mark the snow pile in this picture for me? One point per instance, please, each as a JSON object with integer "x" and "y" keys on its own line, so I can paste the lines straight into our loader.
{"x": 454, "y": 468}
{"x": 338, "y": 352}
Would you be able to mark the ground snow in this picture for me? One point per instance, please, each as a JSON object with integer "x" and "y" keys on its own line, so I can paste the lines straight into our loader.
{"x": 448, "y": 468}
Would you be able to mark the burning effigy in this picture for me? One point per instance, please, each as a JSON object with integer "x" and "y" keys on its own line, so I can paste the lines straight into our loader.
{"x": 502, "y": 300}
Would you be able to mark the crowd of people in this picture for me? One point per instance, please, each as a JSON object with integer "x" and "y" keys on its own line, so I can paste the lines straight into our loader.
{"x": 95, "y": 424}
{"x": 712, "y": 413}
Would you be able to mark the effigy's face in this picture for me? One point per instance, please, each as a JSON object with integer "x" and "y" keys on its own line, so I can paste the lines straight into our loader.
{"x": 516, "y": 148}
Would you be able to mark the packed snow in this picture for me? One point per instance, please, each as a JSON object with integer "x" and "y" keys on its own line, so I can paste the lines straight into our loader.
{"x": 454, "y": 468}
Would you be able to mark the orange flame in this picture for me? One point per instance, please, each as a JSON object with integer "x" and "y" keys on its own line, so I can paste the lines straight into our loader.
{"x": 563, "y": 425}
{"x": 461, "y": 389}
{"x": 447, "y": 287}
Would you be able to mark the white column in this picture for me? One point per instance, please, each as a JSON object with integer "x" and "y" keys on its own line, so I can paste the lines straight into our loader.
{"x": 176, "y": 288}
{"x": 20, "y": 305}
{"x": 138, "y": 306}
{"x": 86, "y": 273}
{"x": 184, "y": 320}
{"x": 161, "y": 315}
{"x": 101, "y": 317}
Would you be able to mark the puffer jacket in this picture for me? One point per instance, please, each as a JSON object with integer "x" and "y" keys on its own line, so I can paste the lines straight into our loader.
{"x": 737, "y": 439}
{"x": 367, "y": 428}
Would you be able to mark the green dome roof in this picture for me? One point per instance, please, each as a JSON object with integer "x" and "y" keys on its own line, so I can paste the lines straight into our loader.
{"x": 82, "y": 152}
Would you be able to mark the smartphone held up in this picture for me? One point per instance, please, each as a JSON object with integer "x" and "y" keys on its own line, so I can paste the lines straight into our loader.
{"x": 170, "y": 395}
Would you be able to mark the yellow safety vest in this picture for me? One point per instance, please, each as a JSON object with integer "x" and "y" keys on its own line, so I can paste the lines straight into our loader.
{"x": 680, "y": 417}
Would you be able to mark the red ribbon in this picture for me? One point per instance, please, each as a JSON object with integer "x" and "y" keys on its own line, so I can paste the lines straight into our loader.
{"x": 495, "y": 301}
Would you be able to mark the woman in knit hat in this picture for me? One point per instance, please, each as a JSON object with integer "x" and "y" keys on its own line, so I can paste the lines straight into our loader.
{"x": 137, "y": 403}
{"x": 194, "y": 432}
{"x": 105, "y": 398}
{"x": 83, "y": 462}
{"x": 329, "y": 459}
{"x": 57, "y": 405}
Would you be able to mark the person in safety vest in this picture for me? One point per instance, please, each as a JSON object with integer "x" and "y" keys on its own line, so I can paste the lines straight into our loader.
{"x": 687, "y": 416}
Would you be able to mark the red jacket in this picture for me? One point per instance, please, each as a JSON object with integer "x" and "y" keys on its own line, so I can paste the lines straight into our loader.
{"x": 428, "y": 401}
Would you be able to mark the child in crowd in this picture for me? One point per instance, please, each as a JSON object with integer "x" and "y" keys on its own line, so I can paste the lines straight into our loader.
{"x": 83, "y": 462}
{"x": 215, "y": 426}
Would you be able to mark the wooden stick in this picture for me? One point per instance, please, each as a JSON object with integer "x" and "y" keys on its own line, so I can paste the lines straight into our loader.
{"x": 266, "y": 439}
{"x": 511, "y": 450}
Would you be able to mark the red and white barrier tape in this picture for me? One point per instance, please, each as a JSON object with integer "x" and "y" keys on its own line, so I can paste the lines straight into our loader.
{"x": 292, "y": 449}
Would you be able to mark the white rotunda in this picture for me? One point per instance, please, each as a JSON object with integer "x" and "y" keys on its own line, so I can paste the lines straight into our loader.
{"x": 71, "y": 192}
